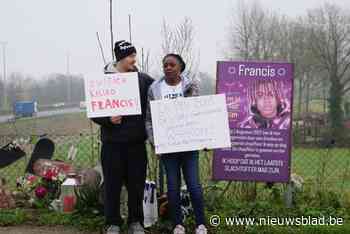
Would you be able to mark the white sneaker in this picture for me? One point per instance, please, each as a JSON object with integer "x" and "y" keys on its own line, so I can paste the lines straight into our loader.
{"x": 201, "y": 229}
{"x": 113, "y": 229}
{"x": 136, "y": 228}
{"x": 179, "y": 229}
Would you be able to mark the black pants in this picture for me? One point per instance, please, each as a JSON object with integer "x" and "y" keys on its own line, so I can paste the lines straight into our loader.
{"x": 124, "y": 163}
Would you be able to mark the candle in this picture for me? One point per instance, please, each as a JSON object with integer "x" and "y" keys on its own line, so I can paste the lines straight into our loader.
{"x": 68, "y": 204}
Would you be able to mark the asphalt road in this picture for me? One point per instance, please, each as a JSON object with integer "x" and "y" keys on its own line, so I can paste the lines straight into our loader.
{"x": 5, "y": 118}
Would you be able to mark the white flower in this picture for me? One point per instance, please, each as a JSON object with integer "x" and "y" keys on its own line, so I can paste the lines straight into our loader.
{"x": 31, "y": 201}
{"x": 297, "y": 181}
{"x": 61, "y": 177}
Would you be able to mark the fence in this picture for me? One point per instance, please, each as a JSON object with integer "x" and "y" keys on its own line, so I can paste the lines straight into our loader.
{"x": 87, "y": 151}
{"x": 320, "y": 165}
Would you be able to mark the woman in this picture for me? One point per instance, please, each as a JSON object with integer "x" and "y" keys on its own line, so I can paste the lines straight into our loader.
{"x": 174, "y": 85}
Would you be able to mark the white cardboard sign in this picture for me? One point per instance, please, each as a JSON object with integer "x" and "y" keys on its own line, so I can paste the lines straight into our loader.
{"x": 112, "y": 95}
{"x": 191, "y": 123}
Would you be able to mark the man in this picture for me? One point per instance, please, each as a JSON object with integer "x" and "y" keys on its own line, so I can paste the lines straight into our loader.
{"x": 268, "y": 107}
{"x": 123, "y": 153}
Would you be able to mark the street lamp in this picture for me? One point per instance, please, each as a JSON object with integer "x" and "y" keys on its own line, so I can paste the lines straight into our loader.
{"x": 4, "y": 44}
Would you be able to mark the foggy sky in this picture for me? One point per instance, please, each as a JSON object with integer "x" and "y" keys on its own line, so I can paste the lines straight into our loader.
{"x": 40, "y": 33}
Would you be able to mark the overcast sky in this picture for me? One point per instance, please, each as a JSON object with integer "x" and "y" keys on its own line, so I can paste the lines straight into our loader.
{"x": 40, "y": 33}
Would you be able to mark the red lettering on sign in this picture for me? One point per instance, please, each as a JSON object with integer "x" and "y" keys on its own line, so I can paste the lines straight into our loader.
{"x": 115, "y": 103}
{"x": 112, "y": 104}
{"x": 93, "y": 105}
{"x": 123, "y": 103}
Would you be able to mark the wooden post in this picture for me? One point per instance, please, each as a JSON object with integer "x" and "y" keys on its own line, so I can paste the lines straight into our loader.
{"x": 288, "y": 195}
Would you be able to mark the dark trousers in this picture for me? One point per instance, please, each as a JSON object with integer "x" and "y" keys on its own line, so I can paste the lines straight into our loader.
{"x": 124, "y": 163}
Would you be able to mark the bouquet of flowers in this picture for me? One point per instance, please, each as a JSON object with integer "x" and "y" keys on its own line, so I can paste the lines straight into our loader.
{"x": 41, "y": 191}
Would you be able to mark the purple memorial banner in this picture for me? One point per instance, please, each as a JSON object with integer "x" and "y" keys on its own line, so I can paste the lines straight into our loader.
{"x": 259, "y": 100}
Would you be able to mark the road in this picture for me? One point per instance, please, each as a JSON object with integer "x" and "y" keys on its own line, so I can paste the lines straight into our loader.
{"x": 5, "y": 118}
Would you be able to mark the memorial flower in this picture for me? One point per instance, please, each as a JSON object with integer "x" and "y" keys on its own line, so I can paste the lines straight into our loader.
{"x": 40, "y": 192}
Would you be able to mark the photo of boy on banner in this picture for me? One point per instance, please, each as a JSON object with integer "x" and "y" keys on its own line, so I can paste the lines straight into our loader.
{"x": 268, "y": 107}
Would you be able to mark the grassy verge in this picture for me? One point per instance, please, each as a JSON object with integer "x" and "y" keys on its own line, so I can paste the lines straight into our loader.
{"x": 95, "y": 223}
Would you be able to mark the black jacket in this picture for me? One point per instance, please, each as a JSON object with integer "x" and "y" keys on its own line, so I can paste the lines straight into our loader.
{"x": 132, "y": 128}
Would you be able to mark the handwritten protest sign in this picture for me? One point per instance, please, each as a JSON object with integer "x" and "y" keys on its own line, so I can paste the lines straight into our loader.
{"x": 112, "y": 94}
{"x": 259, "y": 102}
{"x": 191, "y": 123}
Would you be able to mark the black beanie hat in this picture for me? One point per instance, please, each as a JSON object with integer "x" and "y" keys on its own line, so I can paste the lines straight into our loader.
{"x": 123, "y": 49}
{"x": 179, "y": 58}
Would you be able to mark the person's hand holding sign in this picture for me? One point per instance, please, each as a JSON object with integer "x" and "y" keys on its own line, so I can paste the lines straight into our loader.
{"x": 116, "y": 119}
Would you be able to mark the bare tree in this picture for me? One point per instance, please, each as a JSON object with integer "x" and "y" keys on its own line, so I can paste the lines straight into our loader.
{"x": 207, "y": 84}
{"x": 258, "y": 34}
{"x": 180, "y": 40}
{"x": 307, "y": 72}
{"x": 330, "y": 32}
{"x": 255, "y": 34}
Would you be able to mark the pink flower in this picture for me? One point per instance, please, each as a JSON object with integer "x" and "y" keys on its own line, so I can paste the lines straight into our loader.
{"x": 50, "y": 174}
{"x": 40, "y": 192}
{"x": 31, "y": 179}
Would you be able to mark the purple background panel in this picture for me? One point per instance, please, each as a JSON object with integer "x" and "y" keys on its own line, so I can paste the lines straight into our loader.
{"x": 257, "y": 154}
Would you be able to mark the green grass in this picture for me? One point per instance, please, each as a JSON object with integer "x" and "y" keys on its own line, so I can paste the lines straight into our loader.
{"x": 225, "y": 209}
{"x": 49, "y": 218}
{"x": 67, "y": 124}
{"x": 87, "y": 155}
{"x": 12, "y": 172}
{"x": 331, "y": 167}
{"x": 301, "y": 230}
{"x": 316, "y": 106}
{"x": 12, "y": 217}
{"x": 87, "y": 150}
